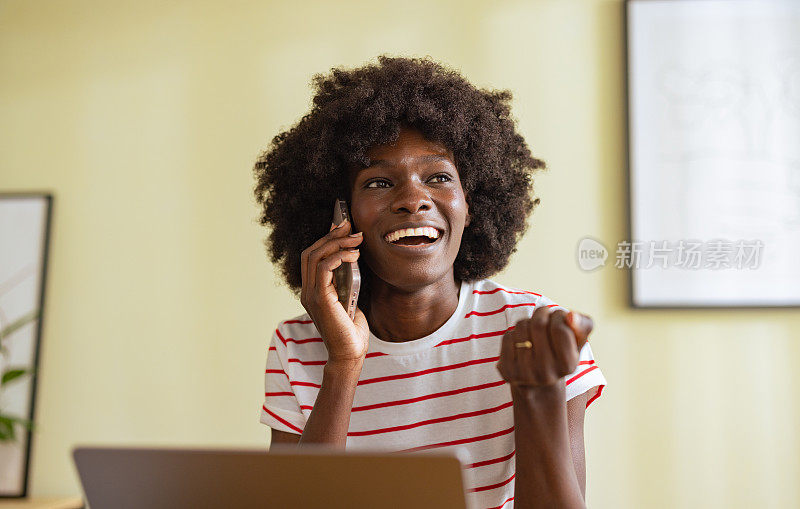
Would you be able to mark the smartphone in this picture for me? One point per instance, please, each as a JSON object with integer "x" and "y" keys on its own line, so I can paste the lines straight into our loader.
{"x": 346, "y": 277}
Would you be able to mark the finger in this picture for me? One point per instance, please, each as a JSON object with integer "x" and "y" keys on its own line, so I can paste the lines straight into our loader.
{"x": 562, "y": 343}
{"x": 524, "y": 356}
{"x": 333, "y": 245}
{"x": 543, "y": 361}
{"x": 339, "y": 232}
{"x": 582, "y": 326}
{"x": 336, "y": 231}
{"x": 325, "y": 267}
{"x": 304, "y": 255}
{"x": 330, "y": 247}
{"x": 505, "y": 365}
{"x": 535, "y": 326}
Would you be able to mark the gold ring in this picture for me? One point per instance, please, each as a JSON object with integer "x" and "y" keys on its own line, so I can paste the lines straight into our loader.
{"x": 524, "y": 344}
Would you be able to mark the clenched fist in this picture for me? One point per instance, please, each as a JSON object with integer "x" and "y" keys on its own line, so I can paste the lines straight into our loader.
{"x": 542, "y": 349}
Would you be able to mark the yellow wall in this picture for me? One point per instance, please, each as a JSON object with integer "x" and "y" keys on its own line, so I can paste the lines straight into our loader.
{"x": 144, "y": 119}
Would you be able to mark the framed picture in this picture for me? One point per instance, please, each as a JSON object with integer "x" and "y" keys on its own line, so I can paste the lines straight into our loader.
{"x": 24, "y": 237}
{"x": 714, "y": 158}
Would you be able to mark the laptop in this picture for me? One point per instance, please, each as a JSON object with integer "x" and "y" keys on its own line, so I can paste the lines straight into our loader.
{"x": 122, "y": 478}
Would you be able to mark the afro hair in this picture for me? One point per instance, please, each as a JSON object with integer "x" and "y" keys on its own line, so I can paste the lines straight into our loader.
{"x": 305, "y": 168}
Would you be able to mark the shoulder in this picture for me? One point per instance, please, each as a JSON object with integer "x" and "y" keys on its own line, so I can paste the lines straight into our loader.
{"x": 298, "y": 325}
{"x": 516, "y": 303}
{"x": 298, "y": 337}
{"x": 488, "y": 291}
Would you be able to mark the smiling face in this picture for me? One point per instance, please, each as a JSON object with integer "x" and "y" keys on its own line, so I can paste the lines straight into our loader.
{"x": 412, "y": 209}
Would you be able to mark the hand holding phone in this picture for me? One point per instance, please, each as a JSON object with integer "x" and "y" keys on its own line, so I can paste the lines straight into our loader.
{"x": 346, "y": 277}
{"x": 329, "y": 294}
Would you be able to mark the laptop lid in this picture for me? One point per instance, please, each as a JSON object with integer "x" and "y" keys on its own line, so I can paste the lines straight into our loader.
{"x": 122, "y": 478}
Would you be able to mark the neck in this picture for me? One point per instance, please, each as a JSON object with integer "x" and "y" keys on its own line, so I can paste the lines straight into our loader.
{"x": 397, "y": 314}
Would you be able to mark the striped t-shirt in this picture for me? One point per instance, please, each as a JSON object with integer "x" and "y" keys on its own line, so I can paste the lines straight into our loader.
{"x": 440, "y": 392}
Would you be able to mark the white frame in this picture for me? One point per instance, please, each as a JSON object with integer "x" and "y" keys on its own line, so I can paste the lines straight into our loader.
{"x": 713, "y": 115}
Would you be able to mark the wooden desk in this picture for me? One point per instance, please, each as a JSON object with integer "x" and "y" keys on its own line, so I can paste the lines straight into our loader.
{"x": 41, "y": 503}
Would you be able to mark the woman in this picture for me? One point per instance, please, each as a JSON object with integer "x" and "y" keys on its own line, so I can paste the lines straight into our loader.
{"x": 437, "y": 357}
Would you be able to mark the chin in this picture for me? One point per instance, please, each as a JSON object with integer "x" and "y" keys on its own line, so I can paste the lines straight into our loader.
{"x": 409, "y": 278}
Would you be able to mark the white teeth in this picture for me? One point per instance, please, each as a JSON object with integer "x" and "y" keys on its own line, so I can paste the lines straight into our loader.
{"x": 426, "y": 231}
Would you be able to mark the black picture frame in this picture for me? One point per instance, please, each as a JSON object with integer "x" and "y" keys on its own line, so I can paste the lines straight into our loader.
{"x": 47, "y": 203}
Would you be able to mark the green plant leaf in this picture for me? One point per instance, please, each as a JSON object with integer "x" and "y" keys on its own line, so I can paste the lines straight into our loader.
{"x": 18, "y": 420}
{"x": 18, "y": 324}
{"x": 8, "y": 429}
{"x": 12, "y": 373}
{"x": 8, "y": 432}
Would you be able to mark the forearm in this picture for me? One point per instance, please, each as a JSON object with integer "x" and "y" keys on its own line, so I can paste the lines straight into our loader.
{"x": 545, "y": 474}
{"x": 330, "y": 418}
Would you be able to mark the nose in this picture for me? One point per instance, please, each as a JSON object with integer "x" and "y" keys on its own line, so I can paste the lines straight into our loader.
{"x": 411, "y": 197}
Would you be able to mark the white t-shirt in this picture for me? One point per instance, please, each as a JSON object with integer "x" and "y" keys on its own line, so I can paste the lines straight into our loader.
{"x": 440, "y": 392}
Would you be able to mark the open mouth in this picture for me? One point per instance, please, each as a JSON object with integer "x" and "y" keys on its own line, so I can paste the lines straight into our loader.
{"x": 414, "y": 240}
{"x": 413, "y": 236}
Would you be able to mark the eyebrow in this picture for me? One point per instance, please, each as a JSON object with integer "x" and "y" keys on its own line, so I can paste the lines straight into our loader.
{"x": 423, "y": 159}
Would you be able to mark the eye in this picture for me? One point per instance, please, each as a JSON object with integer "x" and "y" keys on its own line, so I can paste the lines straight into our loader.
{"x": 377, "y": 183}
{"x": 443, "y": 176}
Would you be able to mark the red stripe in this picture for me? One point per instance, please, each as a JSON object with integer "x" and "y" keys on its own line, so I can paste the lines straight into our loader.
{"x": 309, "y": 363}
{"x": 297, "y": 321}
{"x": 486, "y": 313}
{"x": 585, "y": 362}
{"x": 492, "y": 486}
{"x": 272, "y": 348}
{"x": 597, "y": 395}
{"x": 475, "y": 336}
{"x": 267, "y": 394}
{"x": 580, "y": 374}
{"x": 373, "y": 354}
{"x": 292, "y": 340}
{"x": 278, "y": 371}
{"x": 427, "y": 371}
{"x": 488, "y": 335}
{"x": 306, "y": 407}
{"x": 462, "y": 441}
{"x": 428, "y": 396}
{"x": 408, "y": 375}
{"x": 491, "y": 462}
{"x": 301, "y": 341}
{"x": 420, "y": 373}
{"x": 322, "y": 363}
{"x": 430, "y": 421}
{"x": 551, "y": 305}
{"x": 503, "y": 504}
{"x": 282, "y": 421}
{"x": 522, "y": 292}
{"x": 307, "y": 340}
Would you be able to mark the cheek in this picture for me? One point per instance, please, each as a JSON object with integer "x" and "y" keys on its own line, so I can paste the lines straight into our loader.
{"x": 365, "y": 217}
{"x": 459, "y": 209}
{"x": 359, "y": 211}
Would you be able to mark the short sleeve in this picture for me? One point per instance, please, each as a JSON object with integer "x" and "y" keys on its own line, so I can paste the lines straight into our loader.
{"x": 587, "y": 376}
{"x": 280, "y": 410}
